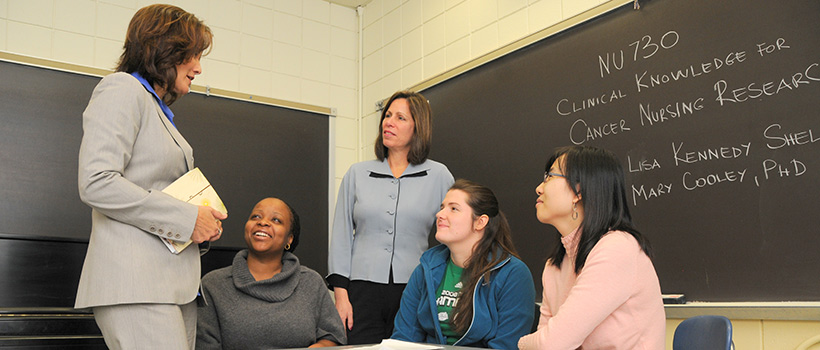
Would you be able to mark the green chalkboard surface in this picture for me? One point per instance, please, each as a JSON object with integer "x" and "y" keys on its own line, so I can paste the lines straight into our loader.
{"x": 247, "y": 151}
{"x": 713, "y": 108}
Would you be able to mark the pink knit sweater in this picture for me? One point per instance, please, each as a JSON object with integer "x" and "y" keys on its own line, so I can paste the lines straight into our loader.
{"x": 614, "y": 303}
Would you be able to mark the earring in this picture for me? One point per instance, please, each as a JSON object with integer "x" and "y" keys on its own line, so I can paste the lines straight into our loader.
{"x": 575, "y": 211}
{"x": 287, "y": 247}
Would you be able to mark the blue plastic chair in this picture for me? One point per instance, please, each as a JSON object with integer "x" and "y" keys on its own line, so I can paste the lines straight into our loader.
{"x": 708, "y": 332}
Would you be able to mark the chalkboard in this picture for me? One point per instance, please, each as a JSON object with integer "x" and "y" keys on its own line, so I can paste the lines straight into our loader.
{"x": 247, "y": 151}
{"x": 712, "y": 106}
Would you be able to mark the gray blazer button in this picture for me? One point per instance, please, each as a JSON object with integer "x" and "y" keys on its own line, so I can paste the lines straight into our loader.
{"x": 152, "y": 229}
{"x": 170, "y": 234}
{"x": 161, "y": 231}
{"x": 177, "y": 235}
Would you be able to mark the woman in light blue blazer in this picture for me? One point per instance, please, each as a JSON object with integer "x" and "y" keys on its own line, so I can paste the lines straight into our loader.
{"x": 384, "y": 215}
{"x": 142, "y": 294}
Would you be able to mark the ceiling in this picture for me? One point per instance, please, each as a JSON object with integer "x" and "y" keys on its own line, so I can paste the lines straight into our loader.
{"x": 350, "y": 3}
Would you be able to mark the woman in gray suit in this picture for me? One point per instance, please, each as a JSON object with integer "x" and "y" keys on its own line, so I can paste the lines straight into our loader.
{"x": 142, "y": 295}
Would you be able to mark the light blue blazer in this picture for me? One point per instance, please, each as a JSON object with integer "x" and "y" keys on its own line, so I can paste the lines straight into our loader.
{"x": 383, "y": 222}
{"x": 130, "y": 151}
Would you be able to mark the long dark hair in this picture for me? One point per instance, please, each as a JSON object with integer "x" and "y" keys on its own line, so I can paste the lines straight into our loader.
{"x": 495, "y": 246}
{"x": 597, "y": 176}
{"x": 423, "y": 127}
{"x": 159, "y": 38}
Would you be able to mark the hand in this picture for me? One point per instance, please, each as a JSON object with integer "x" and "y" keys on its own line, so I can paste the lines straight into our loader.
{"x": 344, "y": 307}
{"x": 323, "y": 343}
{"x": 208, "y": 225}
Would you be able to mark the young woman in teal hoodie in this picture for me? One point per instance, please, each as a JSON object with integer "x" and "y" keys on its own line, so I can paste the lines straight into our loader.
{"x": 472, "y": 290}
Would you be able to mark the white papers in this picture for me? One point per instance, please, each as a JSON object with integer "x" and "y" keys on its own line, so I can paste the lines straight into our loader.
{"x": 392, "y": 344}
{"x": 193, "y": 188}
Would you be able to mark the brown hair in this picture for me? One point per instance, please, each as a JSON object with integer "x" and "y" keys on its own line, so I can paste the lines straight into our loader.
{"x": 422, "y": 132}
{"x": 494, "y": 247}
{"x": 159, "y": 38}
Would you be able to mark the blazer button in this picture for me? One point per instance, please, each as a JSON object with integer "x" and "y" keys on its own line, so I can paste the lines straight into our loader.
{"x": 389, "y": 232}
{"x": 169, "y": 234}
{"x": 152, "y": 229}
{"x": 177, "y": 235}
{"x": 161, "y": 231}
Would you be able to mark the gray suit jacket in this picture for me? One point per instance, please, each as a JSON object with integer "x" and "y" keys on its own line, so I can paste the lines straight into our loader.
{"x": 130, "y": 151}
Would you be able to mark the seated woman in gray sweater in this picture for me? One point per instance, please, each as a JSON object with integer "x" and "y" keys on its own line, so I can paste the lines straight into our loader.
{"x": 266, "y": 299}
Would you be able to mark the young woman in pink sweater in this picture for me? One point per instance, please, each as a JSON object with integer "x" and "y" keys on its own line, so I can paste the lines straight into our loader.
{"x": 600, "y": 287}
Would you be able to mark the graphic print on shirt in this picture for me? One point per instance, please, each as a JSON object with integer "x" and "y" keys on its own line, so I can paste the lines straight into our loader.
{"x": 448, "y": 293}
{"x": 448, "y": 299}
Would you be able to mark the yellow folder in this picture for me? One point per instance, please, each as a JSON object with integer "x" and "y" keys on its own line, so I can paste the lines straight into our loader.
{"x": 193, "y": 188}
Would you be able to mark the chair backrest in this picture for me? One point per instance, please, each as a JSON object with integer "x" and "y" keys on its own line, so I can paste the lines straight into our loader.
{"x": 706, "y": 332}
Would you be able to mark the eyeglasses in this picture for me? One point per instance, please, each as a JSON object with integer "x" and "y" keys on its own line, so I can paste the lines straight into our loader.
{"x": 548, "y": 174}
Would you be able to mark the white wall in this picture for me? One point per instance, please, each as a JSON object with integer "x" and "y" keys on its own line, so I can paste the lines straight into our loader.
{"x": 295, "y": 50}
{"x": 408, "y": 41}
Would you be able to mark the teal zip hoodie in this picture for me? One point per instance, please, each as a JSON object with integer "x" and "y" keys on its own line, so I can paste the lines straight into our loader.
{"x": 503, "y": 310}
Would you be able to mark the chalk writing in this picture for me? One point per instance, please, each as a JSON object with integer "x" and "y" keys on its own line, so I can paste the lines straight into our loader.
{"x": 597, "y": 132}
{"x": 764, "y": 48}
{"x": 642, "y": 81}
{"x": 692, "y": 182}
{"x": 652, "y": 112}
{"x": 710, "y": 153}
{"x": 754, "y": 90}
{"x": 772, "y": 167}
{"x": 565, "y": 107}
{"x": 672, "y": 110}
{"x": 788, "y": 139}
{"x": 642, "y": 165}
{"x": 668, "y": 41}
{"x": 654, "y": 192}
{"x": 646, "y": 47}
